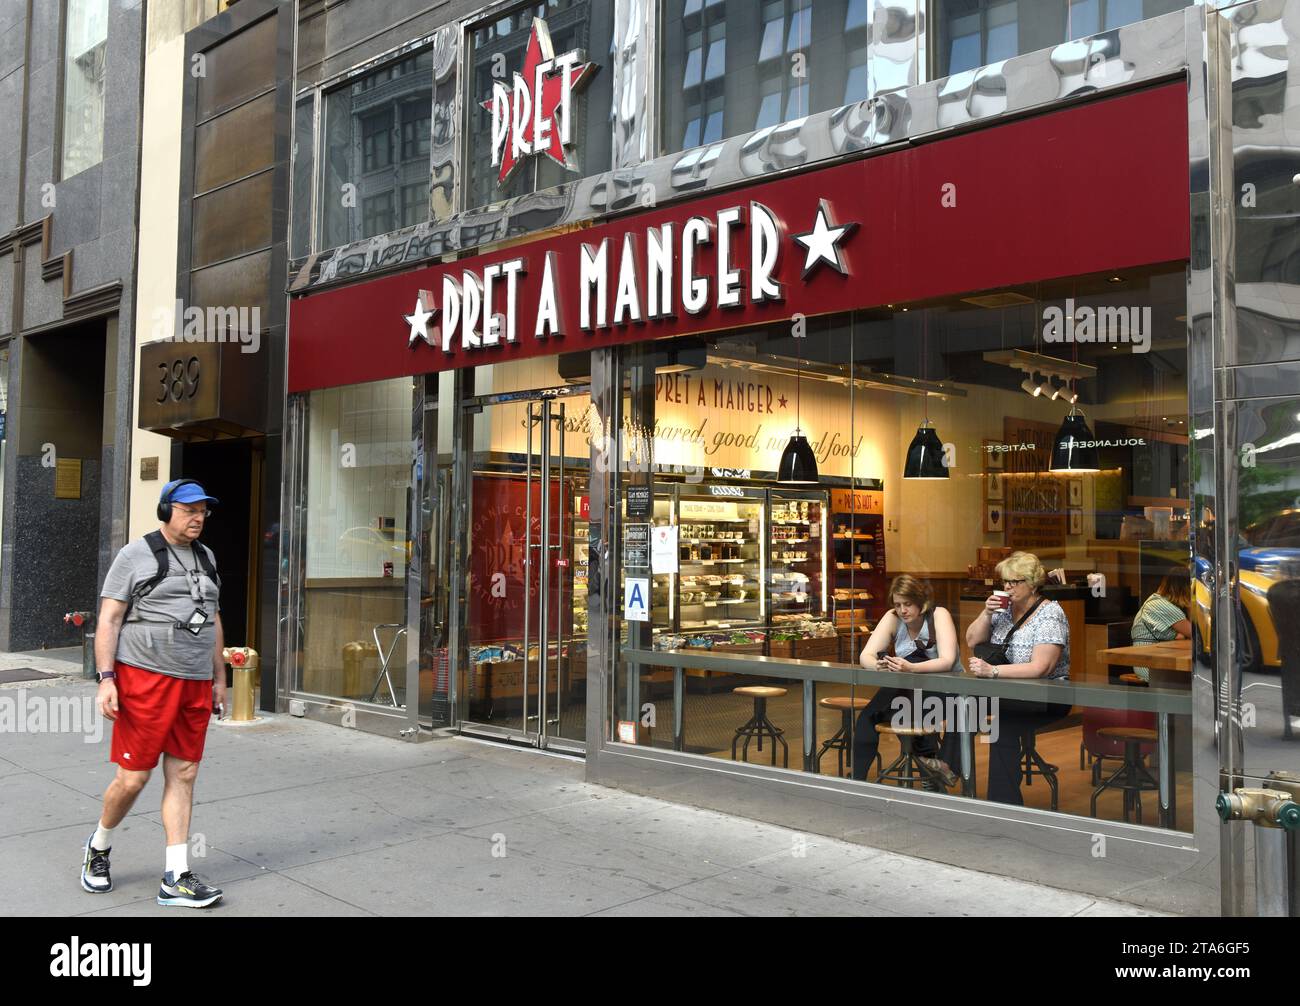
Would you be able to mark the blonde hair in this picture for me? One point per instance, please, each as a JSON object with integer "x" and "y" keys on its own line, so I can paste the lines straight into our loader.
{"x": 911, "y": 589}
{"x": 1021, "y": 566}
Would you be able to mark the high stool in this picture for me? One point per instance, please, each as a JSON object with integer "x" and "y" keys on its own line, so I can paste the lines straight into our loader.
{"x": 759, "y": 726}
{"x": 1033, "y": 764}
{"x": 1127, "y": 679}
{"x": 1132, "y": 777}
{"x": 841, "y": 742}
{"x": 908, "y": 769}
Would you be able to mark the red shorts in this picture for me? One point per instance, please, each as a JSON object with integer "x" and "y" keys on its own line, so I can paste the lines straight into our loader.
{"x": 157, "y": 714}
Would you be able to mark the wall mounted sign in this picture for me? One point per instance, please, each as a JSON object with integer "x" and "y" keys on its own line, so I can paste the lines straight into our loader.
{"x": 778, "y": 248}
{"x": 654, "y": 274}
{"x": 67, "y": 479}
{"x": 535, "y": 116}
{"x": 636, "y": 547}
{"x": 639, "y": 503}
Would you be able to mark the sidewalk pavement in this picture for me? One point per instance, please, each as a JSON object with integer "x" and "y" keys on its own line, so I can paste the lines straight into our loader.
{"x": 294, "y": 817}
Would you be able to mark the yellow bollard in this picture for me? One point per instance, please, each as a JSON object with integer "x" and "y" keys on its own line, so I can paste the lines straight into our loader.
{"x": 244, "y": 660}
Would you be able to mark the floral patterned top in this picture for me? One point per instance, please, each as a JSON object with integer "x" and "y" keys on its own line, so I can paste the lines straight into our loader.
{"x": 1046, "y": 625}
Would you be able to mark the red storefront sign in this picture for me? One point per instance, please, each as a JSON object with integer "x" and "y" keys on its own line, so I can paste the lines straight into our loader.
{"x": 1100, "y": 186}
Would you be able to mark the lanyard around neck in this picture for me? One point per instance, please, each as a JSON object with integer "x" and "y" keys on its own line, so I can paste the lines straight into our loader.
{"x": 196, "y": 591}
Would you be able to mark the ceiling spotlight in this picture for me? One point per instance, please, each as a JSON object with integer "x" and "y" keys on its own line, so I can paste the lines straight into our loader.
{"x": 1056, "y": 388}
{"x": 1033, "y": 387}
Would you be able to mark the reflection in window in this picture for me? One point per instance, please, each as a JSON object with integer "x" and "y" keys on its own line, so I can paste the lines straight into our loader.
{"x": 358, "y": 459}
{"x": 973, "y": 33}
{"x": 745, "y": 66}
{"x": 86, "y": 40}
{"x": 376, "y": 144}
{"x": 573, "y": 24}
{"x": 377, "y": 213}
{"x": 377, "y": 141}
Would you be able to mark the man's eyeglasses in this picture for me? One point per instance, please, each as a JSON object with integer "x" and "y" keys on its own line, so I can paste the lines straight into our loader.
{"x": 189, "y": 512}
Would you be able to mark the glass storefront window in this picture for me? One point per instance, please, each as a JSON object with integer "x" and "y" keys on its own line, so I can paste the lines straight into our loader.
{"x": 496, "y": 52}
{"x": 974, "y": 33}
{"x": 376, "y": 152}
{"x": 1051, "y": 453}
{"x": 358, "y": 459}
{"x": 728, "y": 72}
{"x": 84, "y": 55}
{"x": 304, "y": 169}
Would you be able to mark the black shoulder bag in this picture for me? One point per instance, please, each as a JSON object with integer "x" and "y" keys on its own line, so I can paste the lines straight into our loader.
{"x": 996, "y": 653}
{"x": 917, "y": 656}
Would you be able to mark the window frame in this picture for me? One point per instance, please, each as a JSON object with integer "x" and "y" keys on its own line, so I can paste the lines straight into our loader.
{"x": 60, "y": 96}
{"x": 388, "y": 62}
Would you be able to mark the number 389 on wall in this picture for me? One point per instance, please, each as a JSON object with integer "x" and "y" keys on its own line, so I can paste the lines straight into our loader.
{"x": 178, "y": 380}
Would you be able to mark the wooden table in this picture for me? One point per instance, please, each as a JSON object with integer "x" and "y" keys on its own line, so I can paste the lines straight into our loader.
{"x": 1170, "y": 665}
{"x": 1175, "y": 655}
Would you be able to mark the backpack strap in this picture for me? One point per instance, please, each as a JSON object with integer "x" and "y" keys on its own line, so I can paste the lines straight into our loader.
{"x": 158, "y": 546}
{"x": 205, "y": 561}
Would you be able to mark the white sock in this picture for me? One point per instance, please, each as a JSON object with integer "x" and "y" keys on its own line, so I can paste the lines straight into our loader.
{"x": 177, "y": 861}
{"x": 102, "y": 839}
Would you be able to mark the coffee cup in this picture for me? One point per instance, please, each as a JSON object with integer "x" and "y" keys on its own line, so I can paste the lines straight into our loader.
{"x": 1003, "y": 599}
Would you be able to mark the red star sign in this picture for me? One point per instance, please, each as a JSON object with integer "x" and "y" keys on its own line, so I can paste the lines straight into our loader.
{"x": 535, "y": 117}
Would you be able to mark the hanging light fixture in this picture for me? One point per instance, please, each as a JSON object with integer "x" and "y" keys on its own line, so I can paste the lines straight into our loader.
{"x": 798, "y": 464}
{"x": 1075, "y": 448}
{"x": 925, "y": 453}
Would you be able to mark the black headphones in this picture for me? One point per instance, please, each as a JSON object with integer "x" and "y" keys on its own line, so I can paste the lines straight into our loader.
{"x": 165, "y": 503}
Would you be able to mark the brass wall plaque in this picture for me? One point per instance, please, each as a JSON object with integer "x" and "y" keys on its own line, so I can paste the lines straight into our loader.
{"x": 148, "y": 469}
{"x": 67, "y": 479}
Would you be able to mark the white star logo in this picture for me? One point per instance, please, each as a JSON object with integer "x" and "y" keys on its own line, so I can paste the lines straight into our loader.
{"x": 419, "y": 319}
{"x": 823, "y": 241}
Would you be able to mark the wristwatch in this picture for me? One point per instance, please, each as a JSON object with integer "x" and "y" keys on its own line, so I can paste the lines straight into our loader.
{"x": 103, "y": 676}
{"x": 995, "y": 670}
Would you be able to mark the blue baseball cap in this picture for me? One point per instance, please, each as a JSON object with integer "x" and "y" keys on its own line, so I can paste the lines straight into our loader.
{"x": 190, "y": 492}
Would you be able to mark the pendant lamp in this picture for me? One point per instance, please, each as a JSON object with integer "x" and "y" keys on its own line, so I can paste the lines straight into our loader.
{"x": 1075, "y": 448}
{"x": 925, "y": 455}
{"x": 798, "y": 465}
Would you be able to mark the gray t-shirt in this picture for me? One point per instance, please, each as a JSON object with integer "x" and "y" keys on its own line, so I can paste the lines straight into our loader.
{"x": 149, "y": 638}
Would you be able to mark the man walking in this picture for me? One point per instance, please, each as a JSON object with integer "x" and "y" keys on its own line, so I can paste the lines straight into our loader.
{"x": 161, "y": 677}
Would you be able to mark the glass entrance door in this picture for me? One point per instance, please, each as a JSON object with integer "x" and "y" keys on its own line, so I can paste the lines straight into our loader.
{"x": 522, "y": 667}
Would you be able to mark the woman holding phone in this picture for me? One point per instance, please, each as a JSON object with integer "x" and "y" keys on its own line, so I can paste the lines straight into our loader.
{"x": 1019, "y": 634}
{"x": 924, "y": 639}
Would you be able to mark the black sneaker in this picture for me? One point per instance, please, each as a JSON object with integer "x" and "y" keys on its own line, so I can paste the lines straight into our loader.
{"x": 95, "y": 877}
{"x": 187, "y": 891}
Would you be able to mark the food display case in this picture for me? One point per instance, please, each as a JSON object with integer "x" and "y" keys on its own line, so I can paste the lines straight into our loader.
{"x": 796, "y": 569}
{"x": 750, "y": 561}
{"x": 857, "y": 525}
{"x": 721, "y": 557}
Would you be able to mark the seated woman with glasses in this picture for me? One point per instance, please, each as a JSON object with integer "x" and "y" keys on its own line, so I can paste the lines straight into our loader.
{"x": 1038, "y": 647}
{"x": 924, "y": 639}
